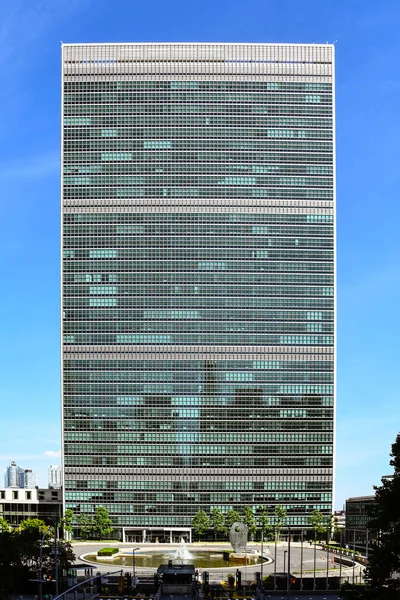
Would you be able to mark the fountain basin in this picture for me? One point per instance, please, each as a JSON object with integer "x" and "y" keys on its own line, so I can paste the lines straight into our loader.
{"x": 204, "y": 559}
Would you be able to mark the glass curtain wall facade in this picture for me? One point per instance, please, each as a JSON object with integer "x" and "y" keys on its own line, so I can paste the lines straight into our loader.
{"x": 198, "y": 279}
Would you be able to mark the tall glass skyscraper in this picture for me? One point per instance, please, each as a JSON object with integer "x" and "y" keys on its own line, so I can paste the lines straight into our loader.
{"x": 198, "y": 311}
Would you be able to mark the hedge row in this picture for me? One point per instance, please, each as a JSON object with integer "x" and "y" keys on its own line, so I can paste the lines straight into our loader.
{"x": 107, "y": 551}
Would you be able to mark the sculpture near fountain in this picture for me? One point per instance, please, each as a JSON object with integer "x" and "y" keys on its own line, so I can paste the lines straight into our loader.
{"x": 238, "y": 537}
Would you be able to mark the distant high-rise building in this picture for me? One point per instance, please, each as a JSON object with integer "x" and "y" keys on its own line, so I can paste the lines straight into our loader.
{"x": 12, "y": 477}
{"x": 29, "y": 479}
{"x": 15, "y": 476}
{"x": 54, "y": 477}
{"x": 198, "y": 212}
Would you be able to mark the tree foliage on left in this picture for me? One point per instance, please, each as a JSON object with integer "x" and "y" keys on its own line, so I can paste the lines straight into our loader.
{"x": 20, "y": 550}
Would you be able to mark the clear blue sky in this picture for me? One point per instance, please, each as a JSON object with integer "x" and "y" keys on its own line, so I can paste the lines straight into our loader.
{"x": 368, "y": 100}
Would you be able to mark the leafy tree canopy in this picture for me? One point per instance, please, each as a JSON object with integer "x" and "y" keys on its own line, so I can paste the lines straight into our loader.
{"x": 231, "y": 517}
{"x": 249, "y": 520}
{"x": 382, "y": 575}
{"x": 280, "y": 515}
{"x": 384, "y": 559}
{"x": 102, "y": 524}
{"x": 67, "y": 521}
{"x": 264, "y": 522}
{"x": 217, "y": 521}
{"x": 34, "y": 526}
{"x": 20, "y": 554}
{"x": 200, "y": 523}
{"x": 85, "y": 525}
{"x": 317, "y": 522}
{"x": 4, "y": 525}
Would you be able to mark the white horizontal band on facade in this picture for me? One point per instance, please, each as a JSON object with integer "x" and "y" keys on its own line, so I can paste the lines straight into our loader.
{"x": 272, "y": 75}
{"x": 203, "y": 473}
{"x": 245, "y": 54}
{"x": 199, "y": 72}
{"x": 208, "y": 61}
{"x": 116, "y": 207}
{"x": 266, "y": 477}
{"x": 300, "y": 353}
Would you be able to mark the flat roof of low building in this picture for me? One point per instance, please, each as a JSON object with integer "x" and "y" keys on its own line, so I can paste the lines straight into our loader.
{"x": 360, "y": 498}
{"x": 172, "y": 569}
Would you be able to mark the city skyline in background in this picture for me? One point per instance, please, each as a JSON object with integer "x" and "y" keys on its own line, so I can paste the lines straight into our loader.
{"x": 368, "y": 257}
{"x": 16, "y": 476}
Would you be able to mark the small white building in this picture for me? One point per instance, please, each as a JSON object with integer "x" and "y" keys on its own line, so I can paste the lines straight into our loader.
{"x": 18, "y": 504}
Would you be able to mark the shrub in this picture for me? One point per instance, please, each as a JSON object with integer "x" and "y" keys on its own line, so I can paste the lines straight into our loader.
{"x": 107, "y": 551}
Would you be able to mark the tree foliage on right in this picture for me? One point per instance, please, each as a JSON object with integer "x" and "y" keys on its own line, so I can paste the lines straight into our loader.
{"x": 382, "y": 575}
{"x": 316, "y": 520}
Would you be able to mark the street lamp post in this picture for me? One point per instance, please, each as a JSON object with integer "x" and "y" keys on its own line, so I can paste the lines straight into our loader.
{"x": 288, "y": 563}
{"x": 275, "y": 553}
{"x": 134, "y": 566}
{"x": 40, "y": 569}
{"x": 284, "y": 560}
{"x": 327, "y": 559}
{"x": 301, "y": 560}
{"x": 56, "y": 540}
{"x": 315, "y": 552}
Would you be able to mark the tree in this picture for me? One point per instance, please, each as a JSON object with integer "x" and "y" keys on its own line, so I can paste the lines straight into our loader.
{"x": 4, "y": 525}
{"x": 231, "y": 517}
{"x": 67, "y": 522}
{"x": 316, "y": 520}
{"x": 249, "y": 520}
{"x": 200, "y": 523}
{"x": 264, "y": 523}
{"x": 217, "y": 521}
{"x": 10, "y": 564}
{"x": 280, "y": 515}
{"x": 85, "y": 526}
{"x": 329, "y": 526}
{"x": 102, "y": 524}
{"x": 384, "y": 560}
{"x": 384, "y": 556}
{"x": 20, "y": 551}
{"x": 36, "y": 526}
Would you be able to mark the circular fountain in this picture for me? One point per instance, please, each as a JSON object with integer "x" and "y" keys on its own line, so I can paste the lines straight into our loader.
{"x": 182, "y": 553}
{"x": 151, "y": 557}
